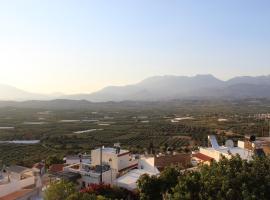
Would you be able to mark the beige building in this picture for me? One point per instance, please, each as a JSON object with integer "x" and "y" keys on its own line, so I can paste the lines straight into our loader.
{"x": 106, "y": 165}
{"x": 118, "y": 159}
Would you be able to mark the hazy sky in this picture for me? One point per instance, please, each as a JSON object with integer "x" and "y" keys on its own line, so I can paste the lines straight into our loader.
{"x": 81, "y": 46}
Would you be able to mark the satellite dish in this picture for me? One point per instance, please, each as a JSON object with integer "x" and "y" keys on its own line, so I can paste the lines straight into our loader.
{"x": 229, "y": 143}
{"x": 252, "y": 138}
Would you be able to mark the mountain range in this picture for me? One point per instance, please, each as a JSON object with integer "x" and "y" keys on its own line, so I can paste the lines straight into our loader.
{"x": 159, "y": 88}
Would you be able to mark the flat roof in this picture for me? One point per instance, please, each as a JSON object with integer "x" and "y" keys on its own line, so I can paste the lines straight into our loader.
{"x": 18, "y": 169}
{"x": 87, "y": 168}
{"x": 70, "y": 176}
{"x": 129, "y": 180}
{"x": 112, "y": 150}
{"x": 83, "y": 156}
{"x": 244, "y": 153}
{"x": 263, "y": 139}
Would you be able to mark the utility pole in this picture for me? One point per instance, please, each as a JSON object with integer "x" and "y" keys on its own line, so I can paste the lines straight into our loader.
{"x": 1, "y": 169}
{"x": 101, "y": 165}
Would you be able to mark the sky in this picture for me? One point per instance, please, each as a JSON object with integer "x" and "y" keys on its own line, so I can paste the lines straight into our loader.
{"x": 75, "y": 46}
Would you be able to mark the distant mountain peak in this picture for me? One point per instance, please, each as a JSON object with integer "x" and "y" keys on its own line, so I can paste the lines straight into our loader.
{"x": 165, "y": 87}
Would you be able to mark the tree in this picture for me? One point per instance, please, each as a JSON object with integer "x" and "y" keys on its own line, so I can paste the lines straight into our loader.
{"x": 60, "y": 191}
{"x": 107, "y": 191}
{"x": 82, "y": 196}
{"x": 188, "y": 188}
{"x": 229, "y": 179}
{"x": 53, "y": 159}
{"x": 169, "y": 179}
{"x": 158, "y": 187}
{"x": 149, "y": 187}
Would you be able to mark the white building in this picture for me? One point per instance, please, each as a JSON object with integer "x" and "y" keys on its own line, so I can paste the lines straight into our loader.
{"x": 129, "y": 180}
{"x": 106, "y": 165}
{"x": 118, "y": 159}
{"x": 92, "y": 174}
{"x": 245, "y": 149}
{"x": 18, "y": 182}
{"x": 116, "y": 166}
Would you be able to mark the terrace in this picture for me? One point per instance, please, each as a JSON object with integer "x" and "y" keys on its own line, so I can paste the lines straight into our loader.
{"x": 15, "y": 180}
{"x": 87, "y": 169}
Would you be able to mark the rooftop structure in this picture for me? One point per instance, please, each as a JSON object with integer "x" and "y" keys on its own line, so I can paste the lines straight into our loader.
{"x": 180, "y": 159}
{"x": 118, "y": 159}
{"x": 265, "y": 142}
{"x": 22, "y": 194}
{"x": 129, "y": 179}
{"x": 68, "y": 176}
{"x": 226, "y": 152}
{"x": 19, "y": 182}
{"x": 18, "y": 169}
{"x": 199, "y": 158}
{"x": 114, "y": 166}
{"x": 245, "y": 149}
{"x": 55, "y": 168}
{"x": 73, "y": 159}
{"x": 106, "y": 164}
{"x": 90, "y": 174}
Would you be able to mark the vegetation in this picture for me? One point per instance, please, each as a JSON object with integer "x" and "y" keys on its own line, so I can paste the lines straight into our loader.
{"x": 67, "y": 191}
{"x": 109, "y": 192}
{"x": 233, "y": 179}
{"x": 60, "y": 191}
{"x": 229, "y": 179}
{"x": 138, "y": 126}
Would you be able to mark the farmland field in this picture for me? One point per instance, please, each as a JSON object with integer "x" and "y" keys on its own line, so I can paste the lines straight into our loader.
{"x": 178, "y": 125}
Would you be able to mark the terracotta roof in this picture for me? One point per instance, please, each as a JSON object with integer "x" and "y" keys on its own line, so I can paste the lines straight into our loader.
{"x": 122, "y": 154}
{"x": 129, "y": 167}
{"x": 182, "y": 159}
{"x": 202, "y": 157}
{"x": 54, "y": 168}
{"x": 16, "y": 195}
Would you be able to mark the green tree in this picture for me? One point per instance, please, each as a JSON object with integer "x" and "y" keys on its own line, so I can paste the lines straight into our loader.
{"x": 169, "y": 179}
{"x": 53, "y": 159}
{"x": 60, "y": 191}
{"x": 229, "y": 179}
{"x": 149, "y": 187}
{"x": 82, "y": 196}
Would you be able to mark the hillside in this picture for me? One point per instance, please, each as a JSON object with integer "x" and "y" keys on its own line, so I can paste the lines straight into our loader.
{"x": 182, "y": 87}
{"x": 162, "y": 88}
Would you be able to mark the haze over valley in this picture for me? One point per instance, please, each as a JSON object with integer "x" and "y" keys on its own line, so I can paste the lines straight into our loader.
{"x": 161, "y": 88}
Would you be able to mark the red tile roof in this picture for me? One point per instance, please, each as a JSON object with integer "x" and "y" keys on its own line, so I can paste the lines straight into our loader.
{"x": 202, "y": 157}
{"x": 129, "y": 167}
{"x": 119, "y": 155}
{"x": 54, "y": 168}
{"x": 182, "y": 159}
{"x": 16, "y": 195}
